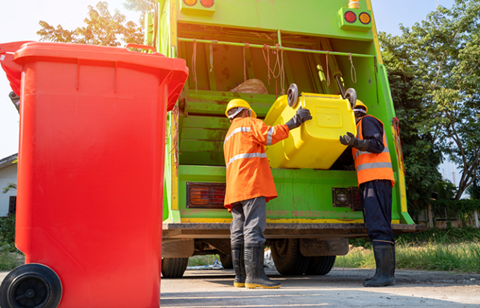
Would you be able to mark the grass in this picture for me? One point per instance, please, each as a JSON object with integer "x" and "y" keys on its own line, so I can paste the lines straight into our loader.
{"x": 8, "y": 259}
{"x": 433, "y": 250}
{"x": 202, "y": 260}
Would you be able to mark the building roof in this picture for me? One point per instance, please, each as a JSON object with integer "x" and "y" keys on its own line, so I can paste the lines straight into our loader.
{"x": 7, "y": 161}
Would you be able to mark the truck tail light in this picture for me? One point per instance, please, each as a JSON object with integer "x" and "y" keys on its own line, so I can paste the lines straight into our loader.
{"x": 350, "y": 17}
{"x": 207, "y": 3}
{"x": 190, "y": 2}
{"x": 365, "y": 18}
{"x": 205, "y": 195}
{"x": 347, "y": 197}
{"x": 357, "y": 205}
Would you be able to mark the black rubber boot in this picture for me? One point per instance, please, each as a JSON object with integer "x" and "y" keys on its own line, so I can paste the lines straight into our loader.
{"x": 385, "y": 272}
{"x": 254, "y": 267}
{"x": 238, "y": 260}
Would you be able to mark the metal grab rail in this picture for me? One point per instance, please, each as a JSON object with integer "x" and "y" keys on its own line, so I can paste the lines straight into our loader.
{"x": 323, "y": 52}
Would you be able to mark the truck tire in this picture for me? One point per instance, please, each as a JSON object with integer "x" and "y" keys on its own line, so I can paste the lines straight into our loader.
{"x": 174, "y": 267}
{"x": 287, "y": 257}
{"x": 320, "y": 265}
{"x": 226, "y": 261}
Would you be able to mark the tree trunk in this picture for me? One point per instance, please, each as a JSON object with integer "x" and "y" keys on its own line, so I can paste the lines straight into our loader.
{"x": 430, "y": 216}
{"x": 475, "y": 216}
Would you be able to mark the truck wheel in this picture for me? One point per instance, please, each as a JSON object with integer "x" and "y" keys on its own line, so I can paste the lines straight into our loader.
{"x": 287, "y": 257}
{"x": 31, "y": 285}
{"x": 320, "y": 265}
{"x": 226, "y": 261}
{"x": 174, "y": 267}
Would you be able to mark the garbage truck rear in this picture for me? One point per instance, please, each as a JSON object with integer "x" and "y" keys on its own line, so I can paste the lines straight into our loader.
{"x": 254, "y": 49}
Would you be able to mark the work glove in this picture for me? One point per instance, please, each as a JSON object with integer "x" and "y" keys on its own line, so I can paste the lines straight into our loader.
{"x": 301, "y": 116}
{"x": 350, "y": 140}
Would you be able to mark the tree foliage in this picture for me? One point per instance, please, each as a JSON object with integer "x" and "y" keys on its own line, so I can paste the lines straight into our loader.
{"x": 421, "y": 155}
{"x": 102, "y": 28}
{"x": 442, "y": 54}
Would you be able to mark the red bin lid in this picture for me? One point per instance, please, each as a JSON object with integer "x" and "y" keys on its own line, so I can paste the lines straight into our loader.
{"x": 33, "y": 50}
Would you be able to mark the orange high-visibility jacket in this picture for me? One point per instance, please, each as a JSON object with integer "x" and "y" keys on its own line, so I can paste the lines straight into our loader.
{"x": 372, "y": 166}
{"x": 248, "y": 172}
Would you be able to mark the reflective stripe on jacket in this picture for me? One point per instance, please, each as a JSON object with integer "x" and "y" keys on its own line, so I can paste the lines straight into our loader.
{"x": 248, "y": 172}
{"x": 372, "y": 166}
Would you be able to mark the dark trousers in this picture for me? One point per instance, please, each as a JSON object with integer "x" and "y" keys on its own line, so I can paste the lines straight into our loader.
{"x": 376, "y": 199}
{"x": 249, "y": 222}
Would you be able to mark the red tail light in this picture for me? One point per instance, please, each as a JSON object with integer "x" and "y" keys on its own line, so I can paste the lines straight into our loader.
{"x": 207, "y": 3}
{"x": 350, "y": 17}
{"x": 205, "y": 195}
{"x": 357, "y": 205}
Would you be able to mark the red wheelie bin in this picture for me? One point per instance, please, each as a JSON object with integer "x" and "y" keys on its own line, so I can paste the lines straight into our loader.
{"x": 90, "y": 174}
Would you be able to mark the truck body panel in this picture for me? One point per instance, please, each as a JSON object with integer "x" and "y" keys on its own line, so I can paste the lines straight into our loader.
{"x": 277, "y": 42}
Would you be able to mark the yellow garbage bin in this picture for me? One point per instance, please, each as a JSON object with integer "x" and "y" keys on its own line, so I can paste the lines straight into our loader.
{"x": 316, "y": 143}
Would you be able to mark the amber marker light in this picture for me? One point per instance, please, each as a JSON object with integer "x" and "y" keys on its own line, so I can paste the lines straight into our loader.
{"x": 190, "y": 2}
{"x": 207, "y": 3}
{"x": 365, "y": 18}
{"x": 350, "y": 17}
{"x": 199, "y": 195}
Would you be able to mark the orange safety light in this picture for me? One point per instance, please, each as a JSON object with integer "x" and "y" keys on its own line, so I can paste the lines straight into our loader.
{"x": 207, "y": 3}
{"x": 350, "y": 17}
{"x": 199, "y": 195}
{"x": 353, "y": 4}
{"x": 365, "y": 18}
{"x": 190, "y": 2}
{"x": 205, "y": 195}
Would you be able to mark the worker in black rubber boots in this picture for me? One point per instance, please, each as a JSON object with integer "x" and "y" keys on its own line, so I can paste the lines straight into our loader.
{"x": 375, "y": 178}
{"x": 250, "y": 186}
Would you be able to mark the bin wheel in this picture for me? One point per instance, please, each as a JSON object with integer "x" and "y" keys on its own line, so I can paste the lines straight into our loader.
{"x": 287, "y": 257}
{"x": 320, "y": 265}
{"x": 351, "y": 95}
{"x": 292, "y": 95}
{"x": 31, "y": 286}
{"x": 174, "y": 267}
{"x": 226, "y": 260}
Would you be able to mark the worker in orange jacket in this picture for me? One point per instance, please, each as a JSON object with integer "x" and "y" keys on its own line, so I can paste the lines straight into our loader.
{"x": 250, "y": 186}
{"x": 375, "y": 178}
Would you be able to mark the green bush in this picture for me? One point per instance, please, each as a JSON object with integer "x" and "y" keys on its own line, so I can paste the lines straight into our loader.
{"x": 7, "y": 232}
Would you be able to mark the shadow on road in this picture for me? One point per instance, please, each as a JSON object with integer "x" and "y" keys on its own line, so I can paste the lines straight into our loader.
{"x": 340, "y": 288}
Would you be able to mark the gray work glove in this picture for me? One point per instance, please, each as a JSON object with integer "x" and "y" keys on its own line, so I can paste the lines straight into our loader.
{"x": 350, "y": 140}
{"x": 301, "y": 116}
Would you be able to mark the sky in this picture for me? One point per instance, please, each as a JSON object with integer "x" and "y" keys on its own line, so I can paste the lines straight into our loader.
{"x": 19, "y": 21}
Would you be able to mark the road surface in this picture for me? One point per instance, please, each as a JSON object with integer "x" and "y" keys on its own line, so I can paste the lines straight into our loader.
{"x": 340, "y": 288}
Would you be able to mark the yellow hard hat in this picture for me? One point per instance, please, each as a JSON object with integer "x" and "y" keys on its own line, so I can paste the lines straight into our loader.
{"x": 359, "y": 103}
{"x": 238, "y": 102}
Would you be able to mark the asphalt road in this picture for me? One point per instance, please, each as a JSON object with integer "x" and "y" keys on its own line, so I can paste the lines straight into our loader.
{"x": 340, "y": 288}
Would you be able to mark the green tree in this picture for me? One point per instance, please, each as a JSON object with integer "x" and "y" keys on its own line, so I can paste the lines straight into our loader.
{"x": 443, "y": 52}
{"x": 474, "y": 189}
{"x": 421, "y": 155}
{"x": 102, "y": 28}
{"x": 7, "y": 188}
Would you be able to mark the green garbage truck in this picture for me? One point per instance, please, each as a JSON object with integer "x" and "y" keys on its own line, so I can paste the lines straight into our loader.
{"x": 254, "y": 49}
